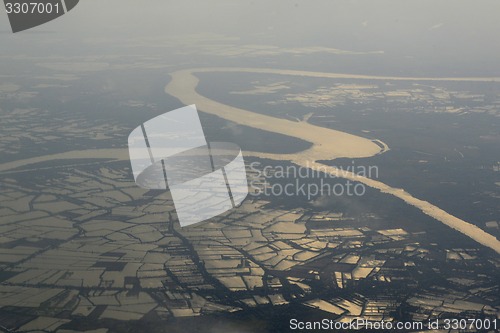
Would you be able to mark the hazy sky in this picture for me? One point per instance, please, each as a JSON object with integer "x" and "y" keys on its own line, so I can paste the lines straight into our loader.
{"x": 456, "y": 33}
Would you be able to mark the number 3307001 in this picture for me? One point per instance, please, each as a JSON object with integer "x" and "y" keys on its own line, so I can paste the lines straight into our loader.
{"x": 31, "y": 8}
